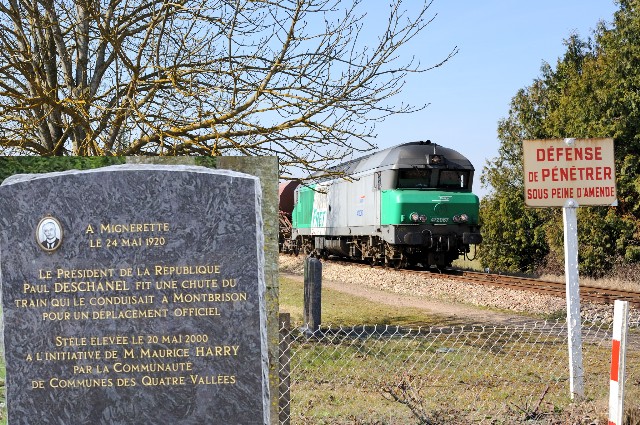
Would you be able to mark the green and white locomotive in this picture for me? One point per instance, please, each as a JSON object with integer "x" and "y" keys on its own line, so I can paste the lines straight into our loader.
{"x": 406, "y": 205}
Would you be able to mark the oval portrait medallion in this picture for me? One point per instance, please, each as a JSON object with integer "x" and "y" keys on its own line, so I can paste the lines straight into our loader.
{"x": 49, "y": 234}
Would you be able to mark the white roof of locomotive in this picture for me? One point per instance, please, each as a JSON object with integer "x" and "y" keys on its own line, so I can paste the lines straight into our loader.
{"x": 406, "y": 155}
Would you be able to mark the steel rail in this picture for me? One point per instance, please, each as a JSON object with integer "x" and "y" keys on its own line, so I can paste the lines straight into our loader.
{"x": 558, "y": 289}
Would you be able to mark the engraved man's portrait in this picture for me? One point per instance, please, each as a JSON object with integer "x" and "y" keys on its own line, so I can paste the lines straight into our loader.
{"x": 49, "y": 233}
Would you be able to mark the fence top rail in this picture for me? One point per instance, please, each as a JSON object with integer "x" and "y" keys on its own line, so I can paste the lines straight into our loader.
{"x": 396, "y": 331}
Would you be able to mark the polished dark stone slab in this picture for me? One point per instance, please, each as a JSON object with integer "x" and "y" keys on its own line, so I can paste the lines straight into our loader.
{"x": 148, "y": 304}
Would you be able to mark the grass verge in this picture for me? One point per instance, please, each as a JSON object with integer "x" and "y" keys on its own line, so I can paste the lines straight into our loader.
{"x": 453, "y": 376}
{"x": 347, "y": 310}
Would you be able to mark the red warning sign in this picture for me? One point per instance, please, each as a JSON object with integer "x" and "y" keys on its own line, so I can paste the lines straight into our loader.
{"x": 556, "y": 170}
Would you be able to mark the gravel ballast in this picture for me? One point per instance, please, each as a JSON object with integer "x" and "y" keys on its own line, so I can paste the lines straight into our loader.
{"x": 441, "y": 287}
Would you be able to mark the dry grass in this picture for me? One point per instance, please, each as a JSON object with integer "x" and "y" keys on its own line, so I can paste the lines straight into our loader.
{"x": 351, "y": 381}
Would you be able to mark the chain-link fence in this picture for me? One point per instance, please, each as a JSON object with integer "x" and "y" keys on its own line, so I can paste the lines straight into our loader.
{"x": 452, "y": 375}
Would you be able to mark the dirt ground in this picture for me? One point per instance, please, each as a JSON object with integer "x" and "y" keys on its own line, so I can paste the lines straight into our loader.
{"x": 448, "y": 310}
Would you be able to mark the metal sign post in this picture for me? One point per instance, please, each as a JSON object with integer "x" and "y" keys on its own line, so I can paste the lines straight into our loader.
{"x": 618, "y": 362}
{"x": 574, "y": 325}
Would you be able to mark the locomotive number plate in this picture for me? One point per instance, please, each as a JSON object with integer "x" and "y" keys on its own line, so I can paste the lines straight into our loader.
{"x": 440, "y": 220}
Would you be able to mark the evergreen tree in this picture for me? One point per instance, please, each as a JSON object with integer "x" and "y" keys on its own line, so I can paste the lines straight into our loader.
{"x": 594, "y": 91}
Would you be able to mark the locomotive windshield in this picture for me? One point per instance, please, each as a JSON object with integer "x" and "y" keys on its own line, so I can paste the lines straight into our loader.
{"x": 414, "y": 178}
{"x": 453, "y": 179}
{"x": 426, "y": 178}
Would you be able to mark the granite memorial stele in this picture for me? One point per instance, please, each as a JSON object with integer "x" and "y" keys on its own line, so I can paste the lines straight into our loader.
{"x": 134, "y": 294}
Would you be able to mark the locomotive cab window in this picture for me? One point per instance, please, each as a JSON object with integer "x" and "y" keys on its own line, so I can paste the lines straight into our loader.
{"x": 414, "y": 178}
{"x": 453, "y": 179}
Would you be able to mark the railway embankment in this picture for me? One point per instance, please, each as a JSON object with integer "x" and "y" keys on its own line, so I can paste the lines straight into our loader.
{"x": 445, "y": 288}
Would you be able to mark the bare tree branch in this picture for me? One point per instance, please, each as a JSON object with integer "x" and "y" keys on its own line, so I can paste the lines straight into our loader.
{"x": 291, "y": 78}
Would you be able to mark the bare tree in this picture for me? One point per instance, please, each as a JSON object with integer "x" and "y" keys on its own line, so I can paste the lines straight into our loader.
{"x": 200, "y": 77}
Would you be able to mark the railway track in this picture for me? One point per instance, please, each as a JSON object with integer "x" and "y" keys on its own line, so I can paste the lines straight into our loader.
{"x": 558, "y": 289}
{"x": 587, "y": 293}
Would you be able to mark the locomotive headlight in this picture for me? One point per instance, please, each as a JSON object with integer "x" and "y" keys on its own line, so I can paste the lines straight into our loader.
{"x": 415, "y": 217}
{"x": 462, "y": 218}
{"x": 436, "y": 159}
{"x": 423, "y": 218}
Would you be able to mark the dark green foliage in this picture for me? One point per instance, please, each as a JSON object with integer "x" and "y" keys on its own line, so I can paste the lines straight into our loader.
{"x": 505, "y": 219}
{"x": 207, "y": 161}
{"x": 10, "y": 165}
{"x": 594, "y": 91}
{"x": 604, "y": 238}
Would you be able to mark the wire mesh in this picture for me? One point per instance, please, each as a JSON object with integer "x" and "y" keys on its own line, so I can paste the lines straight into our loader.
{"x": 464, "y": 374}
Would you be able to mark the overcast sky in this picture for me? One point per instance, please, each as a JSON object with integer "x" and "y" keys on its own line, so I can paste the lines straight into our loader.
{"x": 502, "y": 45}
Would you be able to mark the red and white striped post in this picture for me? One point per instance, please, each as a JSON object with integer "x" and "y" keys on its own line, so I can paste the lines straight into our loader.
{"x": 618, "y": 356}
